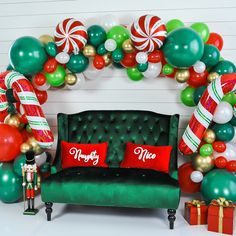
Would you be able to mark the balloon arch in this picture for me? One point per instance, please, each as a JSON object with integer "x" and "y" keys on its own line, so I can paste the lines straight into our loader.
{"x": 148, "y": 49}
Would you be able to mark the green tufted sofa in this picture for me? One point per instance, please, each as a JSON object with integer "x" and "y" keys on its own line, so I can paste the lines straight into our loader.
{"x": 114, "y": 186}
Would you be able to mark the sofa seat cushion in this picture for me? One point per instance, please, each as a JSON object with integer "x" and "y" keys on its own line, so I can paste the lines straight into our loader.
{"x": 121, "y": 187}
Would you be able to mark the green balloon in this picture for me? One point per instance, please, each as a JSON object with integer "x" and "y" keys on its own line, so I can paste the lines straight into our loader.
{"x": 230, "y": 98}
{"x": 18, "y": 164}
{"x": 10, "y": 184}
{"x": 96, "y": 35}
{"x": 173, "y": 24}
{"x": 202, "y": 29}
{"x": 117, "y": 65}
{"x": 224, "y": 67}
{"x": 9, "y": 67}
{"x": 51, "y": 49}
{"x": 101, "y": 50}
{"x": 224, "y": 132}
{"x": 206, "y": 150}
{"x": 27, "y": 55}
{"x": 183, "y": 47}
{"x": 233, "y": 121}
{"x": 211, "y": 55}
{"x": 186, "y": 96}
{"x": 57, "y": 78}
{"x": 198, "y": 93}
{"x": 167, "y": 69}
{"x": 78, "y": 63}
{"x": 142, "y": 67}
{"x": 218, "y": 183}
{"x": 134, "y": 74}
{"x": 119, "y": 33}
{"x": 117, "y": 55}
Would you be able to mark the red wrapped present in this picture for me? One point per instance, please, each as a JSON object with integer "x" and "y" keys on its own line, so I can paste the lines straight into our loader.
{"x": 221, "y": 216}
{"x": 196, "y": 212}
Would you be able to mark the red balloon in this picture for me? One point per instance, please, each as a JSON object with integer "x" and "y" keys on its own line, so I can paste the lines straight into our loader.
{"x": 231, "y": 166}
{"x": 156, "y": 56}
{"x": 50, "y": 65}
{"x": 197, "y": 79}
{"x": 219, "y": 146}
{"x": 41, "y": 95}
{"x": 221, "y": 162}
{"x": 3, "y": 115}
{"x": 216, "y": 40}
{"x": 25, "y": 135}
{"x": 24, "y": 119}
{"x": 185, "y": 182}
{"x": 99, "y": 62}
{"x": 39, "y": 79}
{"x": 129, "y": 60}
{"x": 10, "y": 141}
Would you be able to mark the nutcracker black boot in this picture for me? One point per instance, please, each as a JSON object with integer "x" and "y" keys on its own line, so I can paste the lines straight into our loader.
{"x": 28, "y": 200}
{"x": 32, "y": 204}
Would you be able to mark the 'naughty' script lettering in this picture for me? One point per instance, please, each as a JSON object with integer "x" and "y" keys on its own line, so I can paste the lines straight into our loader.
{"x": 144, "y": 154}
{"x": 78, "y": 155}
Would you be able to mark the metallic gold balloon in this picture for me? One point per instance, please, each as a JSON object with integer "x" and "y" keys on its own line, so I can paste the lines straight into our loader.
{"x": 25, "y": 147}
{"x": 212, "y": 76}
{"x": 107, "y": 58}
{"x": 209, "y": 136}
{"x": 203, "y": 164}
{"x": 45, "y": 38}
{"x": 13, "y": 120}
{"x": 70, "y": 79}
{"x": 35, "y": 147}
{"x": 182, "y": 75}
{"x": 89, "y": 51}
{"x": 127, "y": 46}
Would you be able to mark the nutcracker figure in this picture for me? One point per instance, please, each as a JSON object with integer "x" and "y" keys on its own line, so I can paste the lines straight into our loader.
{"x": 30, "y": 183}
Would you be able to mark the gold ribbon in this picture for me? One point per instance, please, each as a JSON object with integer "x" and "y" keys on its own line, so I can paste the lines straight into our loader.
{"x": 198, "y": 204}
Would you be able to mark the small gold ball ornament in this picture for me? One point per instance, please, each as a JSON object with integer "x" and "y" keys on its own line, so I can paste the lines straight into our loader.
{"x": 70, "y": 79}
{"x": 25, "y": 147}
{"x": 209, "y": 136}
{"x": 89, "y": 51}
{"x": 45, "y": 38}
{"x": 13, "y": 120}
{"x": 203, "y": 164}
{"x": 35, "y": 147}
{"x": 107, "y": 58}
{"x": 182, "y": 75}
{"x": 127, "y": 46}
{"x": 212, "y": 76}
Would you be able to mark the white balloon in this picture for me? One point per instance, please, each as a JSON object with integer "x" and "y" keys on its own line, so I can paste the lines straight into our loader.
{"x": 141, "y": 57}
{"x": 223, "y": 113}
{"x": 44, "y": 87}
{"x": 181, "y": 86}
{"x": 153, "y": 70}
{"x": 196, "y": 176}
{"x": 229, "y": 153}
{"x": 92, "y": 73}
{"x": 79, "y": 83}
{"x": 199, "y": 67}
{"x": 41, "y": 159}
{"x": 108, "y": 21}
{"x": 110, "y": 45}
{"x": 62, "y": 57}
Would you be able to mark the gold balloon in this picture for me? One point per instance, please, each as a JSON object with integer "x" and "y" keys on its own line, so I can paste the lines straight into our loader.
{"x": 203, "y": 164}
{"x": 107, "y": 59}
{"x": 45, "y": 38}
{"x": 89, "y": 51}
{"x": 35, "y": 147}
{"x": 212, "y": 76}
{"x": 25, "y": 147}
{"x": 182, "y": 75}
{"x": 13, "y": 120}
{"x": 127, "y": 46}
{"x": 209, "y": 136}
{"x": 70, "y": 79}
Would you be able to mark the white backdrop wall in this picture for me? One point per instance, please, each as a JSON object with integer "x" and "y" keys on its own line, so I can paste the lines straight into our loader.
{"x": 114, "y": 90}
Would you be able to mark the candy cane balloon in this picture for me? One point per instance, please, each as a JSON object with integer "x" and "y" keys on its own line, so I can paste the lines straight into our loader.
{"x": 203, "y": 114}
{"x": 26, "y": 95}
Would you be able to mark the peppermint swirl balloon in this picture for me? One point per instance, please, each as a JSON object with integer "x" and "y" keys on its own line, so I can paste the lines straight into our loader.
{"x": 148, "y": 33}
{"x": 70, "y": 36}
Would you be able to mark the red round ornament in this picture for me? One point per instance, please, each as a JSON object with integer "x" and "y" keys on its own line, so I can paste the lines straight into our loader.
{"x": 99, "y": 62}
{"x": 156, "y": 56}
{"x": 50, "y": 65}
{"x": 219, "y": 146}
{"x": 231, "y": 166}
{"x": 39, "y": 79}
{"x": 221, "y": 162}
{"x": 41, "y": 95}
{"x": 197, "y": 79}
{"x": 216, "y": 40}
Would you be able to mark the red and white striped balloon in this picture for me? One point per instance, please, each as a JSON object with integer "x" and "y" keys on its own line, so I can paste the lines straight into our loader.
{"x": 148, "y": 33}
{"x": 70, "y": 36}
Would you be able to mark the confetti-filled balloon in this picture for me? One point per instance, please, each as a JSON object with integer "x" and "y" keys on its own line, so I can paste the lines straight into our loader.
{"x": 70, "y": 35}
{"x": 148, "y": 33}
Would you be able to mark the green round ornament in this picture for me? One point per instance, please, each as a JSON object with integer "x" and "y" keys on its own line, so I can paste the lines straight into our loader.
{"x": 224, "y": 132}
{"x": 211, "y": 55}
{"x": 101, "y": 50}
{"x": 173, "y": 24}
{"x": 198, "y": 93}
{"x": 51, "y": 49}
{"x": 57, "y": 78}
{"x": 142, "y": 67}
{"x": 206, "y": 150}
{"x": 202, "y": 29}
{"x": 233, "y": 121}
{"x": 230, "y": 98}
{"x": 77, "y": 63}
{"x": 117, "y": 55}
{"x": 96, "y": 35}
{"x": 134, "y": 74}
{"x": 224, "y": 67}
{"x": 167, "y": 69}
{"x": 186, "y": 96}
{"x": 18, "y": 164}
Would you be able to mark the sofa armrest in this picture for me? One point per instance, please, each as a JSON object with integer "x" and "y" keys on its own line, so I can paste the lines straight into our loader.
{"x": 174, "y": 174}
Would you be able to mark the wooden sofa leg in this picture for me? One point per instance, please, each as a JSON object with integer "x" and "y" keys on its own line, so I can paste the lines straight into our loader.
{"x": 48, "y": 210}
{"x": 171, "y": 217}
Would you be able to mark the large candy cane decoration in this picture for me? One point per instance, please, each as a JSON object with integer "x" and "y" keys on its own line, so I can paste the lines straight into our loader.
{"x": 26, "y": 95}
{"x": 203, "y": 114}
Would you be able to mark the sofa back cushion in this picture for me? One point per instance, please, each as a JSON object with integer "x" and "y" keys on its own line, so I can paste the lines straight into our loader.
{"x": 117, "y": 128}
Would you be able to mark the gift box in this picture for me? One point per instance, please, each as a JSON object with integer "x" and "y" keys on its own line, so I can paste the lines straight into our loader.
{"x": 221, "y": 216}
{"x": 195, "y": 212}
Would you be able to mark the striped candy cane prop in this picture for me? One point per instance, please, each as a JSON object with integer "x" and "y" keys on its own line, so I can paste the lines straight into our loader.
{"x": 26, "y": 95}
{"x": 203, "y": 114}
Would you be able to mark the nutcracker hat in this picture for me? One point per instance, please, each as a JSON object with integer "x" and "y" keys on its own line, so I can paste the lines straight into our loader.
{"x": 30, "y": 159}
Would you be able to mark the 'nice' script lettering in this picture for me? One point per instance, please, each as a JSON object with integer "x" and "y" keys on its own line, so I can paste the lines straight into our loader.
{"x": 144, "y": 154}
{"x": 78, "y": 155}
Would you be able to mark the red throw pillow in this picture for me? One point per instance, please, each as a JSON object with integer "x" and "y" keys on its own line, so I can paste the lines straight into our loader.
{"x": 75, "y": 154}
{"x": 147, "y": 157}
